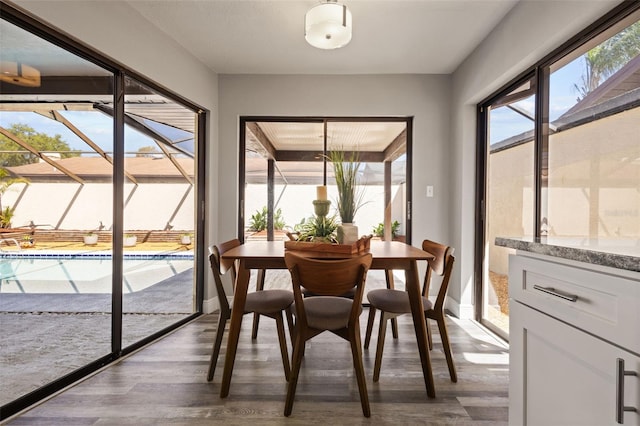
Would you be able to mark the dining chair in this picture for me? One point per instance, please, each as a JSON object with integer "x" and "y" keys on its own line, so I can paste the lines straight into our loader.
{"x": 270, "y": 302}
{"x": 393, "y": 303}
{"x": 327, "y": 310}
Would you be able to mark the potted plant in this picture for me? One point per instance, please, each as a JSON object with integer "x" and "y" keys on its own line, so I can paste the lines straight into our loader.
{"x": 378, "y": 230}
{"x": 129, "y": 240}
{"x": 317, "y": 229}
{"x": 91, "y": 238}
{"x": 27, "y": 241}
{"x": 258, "y": 221}
{"x": 185, "y": 239}
{"x": 350, "y": 195}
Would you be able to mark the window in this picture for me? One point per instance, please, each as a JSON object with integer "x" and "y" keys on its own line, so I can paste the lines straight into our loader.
{"x": 591, "y": 183}
{"x": 560, "y": 155}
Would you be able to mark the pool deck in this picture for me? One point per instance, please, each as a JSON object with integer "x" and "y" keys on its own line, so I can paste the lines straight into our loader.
{"x": 77, "y": 246}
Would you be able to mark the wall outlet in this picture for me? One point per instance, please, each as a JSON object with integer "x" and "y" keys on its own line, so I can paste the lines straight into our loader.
{"x": 429, "y": 191}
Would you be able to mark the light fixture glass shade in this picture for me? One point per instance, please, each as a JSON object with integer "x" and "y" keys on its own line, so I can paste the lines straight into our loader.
{"x": 328, "y": 26}
{"x": 19, "y": 74}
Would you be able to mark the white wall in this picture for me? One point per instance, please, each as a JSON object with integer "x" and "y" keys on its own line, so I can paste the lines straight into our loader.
{"x": 531, "y": 30}
{"x": 425, "y": 97}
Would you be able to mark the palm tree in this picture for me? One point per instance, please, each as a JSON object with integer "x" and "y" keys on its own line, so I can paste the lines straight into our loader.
{"x": 608, "y": 57}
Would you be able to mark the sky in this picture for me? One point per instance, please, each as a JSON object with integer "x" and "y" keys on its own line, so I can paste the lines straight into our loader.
{"x": 505, "y": 123}
{"x": 96, "y": 125}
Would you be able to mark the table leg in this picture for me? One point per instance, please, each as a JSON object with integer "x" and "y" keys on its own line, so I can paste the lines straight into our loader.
{"x": 420, "y": 326}
{"x": 239, "y": 298}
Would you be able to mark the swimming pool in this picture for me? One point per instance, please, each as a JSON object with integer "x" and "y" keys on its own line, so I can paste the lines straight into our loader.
{"x": 86, "y": 273}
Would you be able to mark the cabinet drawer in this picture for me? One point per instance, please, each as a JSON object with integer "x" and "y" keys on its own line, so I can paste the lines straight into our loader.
{"x": 602, "y": 304}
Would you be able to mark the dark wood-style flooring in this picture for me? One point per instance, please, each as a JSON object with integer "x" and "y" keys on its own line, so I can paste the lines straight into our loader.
{"x": 165, "y": 384}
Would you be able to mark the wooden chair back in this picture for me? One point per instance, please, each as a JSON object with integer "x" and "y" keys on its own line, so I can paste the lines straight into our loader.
{"x": 220, "y": 267}
{"x": 442, "y": 266}
{"x": 323, "y": 277}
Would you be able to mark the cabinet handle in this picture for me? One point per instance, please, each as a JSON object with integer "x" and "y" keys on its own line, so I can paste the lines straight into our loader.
{"x": 620, "y": 407}
{"x": 552, "y": 291}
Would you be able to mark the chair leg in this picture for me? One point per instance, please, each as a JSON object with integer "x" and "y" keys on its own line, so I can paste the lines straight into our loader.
{"x": 298, "y": 352}
{"x": 390, "y": 285}
{"x": 447, "y": 348}
{"x": 382, "y": 331}
{"x": 222, "y": 321}
{"x": 254, "y": 329}
{"x": 290, "y": 323}
{"x": 256, "y": 317}
{"x": 356, "y": 352}
{"x": 283, "y": 345}
{"x": 370, "y": 321}
{"x": 429, "y": 337}
{"x": 394, "y": 328}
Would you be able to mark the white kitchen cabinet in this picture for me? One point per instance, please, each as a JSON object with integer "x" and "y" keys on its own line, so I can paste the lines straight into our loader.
{"x": 570, "y": 324}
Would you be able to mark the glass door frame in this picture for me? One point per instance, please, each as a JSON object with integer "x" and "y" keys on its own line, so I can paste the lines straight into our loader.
{"x": 482, "y": 136}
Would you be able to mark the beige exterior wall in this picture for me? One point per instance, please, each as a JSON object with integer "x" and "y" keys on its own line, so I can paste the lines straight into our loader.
{"x": 70, "y": 206}
{"x": 594, "y": 179}
{"x": 509, "y": 200}
{"x": 594, "y": 186}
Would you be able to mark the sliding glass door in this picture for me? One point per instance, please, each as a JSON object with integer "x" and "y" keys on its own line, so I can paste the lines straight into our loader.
{"x": 286, "y": 159}
{"x": 98, "y": 226}
{"x": 509, "y": 195}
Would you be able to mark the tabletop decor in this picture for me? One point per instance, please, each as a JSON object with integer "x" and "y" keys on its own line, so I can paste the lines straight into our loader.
{"x": 362, "y": 245}
{"x": 318, "y": 233}
{"x": 350, "y": 195}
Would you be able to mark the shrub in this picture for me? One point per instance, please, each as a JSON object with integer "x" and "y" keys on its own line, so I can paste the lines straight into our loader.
{"x": 258, "y": 221}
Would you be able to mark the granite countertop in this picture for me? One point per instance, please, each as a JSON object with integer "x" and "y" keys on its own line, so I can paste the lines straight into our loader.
{"x": 613, "y": 253}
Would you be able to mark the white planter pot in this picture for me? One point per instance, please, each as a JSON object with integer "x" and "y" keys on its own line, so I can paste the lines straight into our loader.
{"x": 130, "y": 241}
{"x": 91, "y": 240}
{"x": 347, "y": 233}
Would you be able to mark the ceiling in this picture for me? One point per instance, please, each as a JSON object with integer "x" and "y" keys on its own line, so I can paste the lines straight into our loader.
{"x": 267, "y": 36}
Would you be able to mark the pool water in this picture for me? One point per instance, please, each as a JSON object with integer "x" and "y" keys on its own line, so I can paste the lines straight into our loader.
{"x": 85, "y": 275}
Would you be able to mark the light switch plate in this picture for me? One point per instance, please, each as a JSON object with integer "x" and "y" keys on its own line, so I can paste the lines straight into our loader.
{"x": 429, "y": 191}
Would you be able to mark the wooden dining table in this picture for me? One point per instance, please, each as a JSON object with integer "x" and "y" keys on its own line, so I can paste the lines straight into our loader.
{"x": 387, "y": 255}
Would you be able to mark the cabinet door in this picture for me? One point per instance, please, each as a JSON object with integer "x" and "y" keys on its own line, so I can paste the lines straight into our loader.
{"x": 560, "y": 375}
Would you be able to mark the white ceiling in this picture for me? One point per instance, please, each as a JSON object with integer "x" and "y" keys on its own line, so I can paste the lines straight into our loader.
{"x": 267, "y": 36}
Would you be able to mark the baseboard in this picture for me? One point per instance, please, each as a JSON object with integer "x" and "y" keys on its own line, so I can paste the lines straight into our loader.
{"x": 210, "y": 305}
{"x": 462, "y": 311}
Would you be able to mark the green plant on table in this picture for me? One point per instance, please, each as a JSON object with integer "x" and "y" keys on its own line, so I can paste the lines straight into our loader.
{"x": 317, "y": 229}
{"x": 350, "y": 195}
